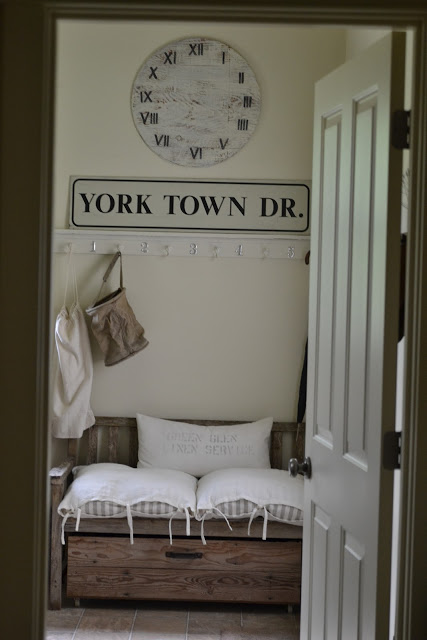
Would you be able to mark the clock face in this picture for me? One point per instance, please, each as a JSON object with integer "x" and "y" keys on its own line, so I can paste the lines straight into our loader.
{"x": 195, "y": 102}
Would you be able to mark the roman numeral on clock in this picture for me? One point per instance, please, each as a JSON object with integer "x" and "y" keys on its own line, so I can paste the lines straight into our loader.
{"x": 223, "y": 143}
{"x": 242, "y": 124}
{"x": 241, "y": 77}
{"x": 162, "y": 141}
{"x": 247, "y": 101}
{"x": 145, "y": 96}
{"x": 170, "y": 57}
{"x": 149, "y": 118}
{"x": 196, "y": 152}
{"x": 153, "y": 73}
{"x": 196, "y": 49}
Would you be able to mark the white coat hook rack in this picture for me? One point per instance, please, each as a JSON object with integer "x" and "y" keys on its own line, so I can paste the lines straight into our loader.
{"x": 180, "y": 245}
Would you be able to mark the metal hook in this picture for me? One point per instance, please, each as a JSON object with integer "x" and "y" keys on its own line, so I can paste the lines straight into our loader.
{"x": 239, "y": 250}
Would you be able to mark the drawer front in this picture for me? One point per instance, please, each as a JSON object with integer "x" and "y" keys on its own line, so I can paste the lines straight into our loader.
{"x": 155, "y": 553}
{"x": 189, "y": 585}
{"x": 152, "y": 569}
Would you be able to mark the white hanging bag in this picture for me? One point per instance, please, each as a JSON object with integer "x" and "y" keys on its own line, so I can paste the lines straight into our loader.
{"x": 72, "y": 380}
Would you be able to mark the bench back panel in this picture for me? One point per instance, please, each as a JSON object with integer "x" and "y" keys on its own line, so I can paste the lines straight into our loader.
{"x": 115, "y": 439}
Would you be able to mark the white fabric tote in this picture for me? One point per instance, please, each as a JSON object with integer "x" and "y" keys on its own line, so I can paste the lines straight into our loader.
{"x": 72, "y": 381}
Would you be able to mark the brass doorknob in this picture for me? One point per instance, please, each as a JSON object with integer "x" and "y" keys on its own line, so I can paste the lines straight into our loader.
{"x": 295, "y": 467}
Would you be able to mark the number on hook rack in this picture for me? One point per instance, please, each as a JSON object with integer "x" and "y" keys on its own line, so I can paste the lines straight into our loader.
{"x": 239, "y": 250}
{"x": 144, "y": 247}
{"x": 193, "y": 249}
{"x": 291, "y": 252}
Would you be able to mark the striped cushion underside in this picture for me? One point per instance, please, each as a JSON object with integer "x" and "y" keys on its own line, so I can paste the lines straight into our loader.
{"x": 236, "y": 509}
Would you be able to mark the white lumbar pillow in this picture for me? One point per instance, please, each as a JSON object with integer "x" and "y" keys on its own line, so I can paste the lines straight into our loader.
{"x": 198, "y": 449}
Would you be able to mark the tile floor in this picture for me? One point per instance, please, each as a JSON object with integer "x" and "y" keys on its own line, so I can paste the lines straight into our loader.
{"x": 102, "y": 620}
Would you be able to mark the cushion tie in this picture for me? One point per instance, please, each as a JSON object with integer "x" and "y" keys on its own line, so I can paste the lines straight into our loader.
{"x": 64, "y": 520}
{"x": 187, "y": 517}
{"x": 264, "y": 526}
{"x": 170, "y": 526}
{"x": 202, "y": 526}
{"x": 254, "y": 511}
{"x": 79, "y": 513}
{"x": 130, "y": 523}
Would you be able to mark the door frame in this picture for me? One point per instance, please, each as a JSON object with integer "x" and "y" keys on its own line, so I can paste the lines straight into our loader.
{"x": 26, "y": 158}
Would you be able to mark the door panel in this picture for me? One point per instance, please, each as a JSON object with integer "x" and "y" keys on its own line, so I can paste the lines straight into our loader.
{"x": 352, "y": 347}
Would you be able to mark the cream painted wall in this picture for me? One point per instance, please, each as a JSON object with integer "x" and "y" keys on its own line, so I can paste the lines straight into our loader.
{"x": 358, "y": 39}
{"x": 226, "y": 336}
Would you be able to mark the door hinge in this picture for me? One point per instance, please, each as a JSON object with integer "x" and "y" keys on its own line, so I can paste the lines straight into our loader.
{"x": 400, "y": 129}
{"x": 392, "y": 448}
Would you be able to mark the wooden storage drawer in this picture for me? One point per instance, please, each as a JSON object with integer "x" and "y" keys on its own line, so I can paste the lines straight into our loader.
{"x": 151, "y": 568}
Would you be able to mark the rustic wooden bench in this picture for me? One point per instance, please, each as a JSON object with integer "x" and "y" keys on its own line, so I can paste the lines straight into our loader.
{"x": 100, "y": 562}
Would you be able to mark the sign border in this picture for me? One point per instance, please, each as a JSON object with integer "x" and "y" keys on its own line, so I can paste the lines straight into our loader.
{"x": 74, "y": 225}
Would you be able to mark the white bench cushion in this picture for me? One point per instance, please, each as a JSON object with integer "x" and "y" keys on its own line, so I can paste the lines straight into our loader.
{"x": 113, "y": 490}
{"x": 248, "y": 493}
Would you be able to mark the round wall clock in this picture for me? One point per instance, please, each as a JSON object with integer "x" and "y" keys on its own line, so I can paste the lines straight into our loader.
{"x": 195, "y": 102}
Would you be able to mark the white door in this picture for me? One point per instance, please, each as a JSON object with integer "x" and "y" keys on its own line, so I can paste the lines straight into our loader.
{"x": 352, "y": 349}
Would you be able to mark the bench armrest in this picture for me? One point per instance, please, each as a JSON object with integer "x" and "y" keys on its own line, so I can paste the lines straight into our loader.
{"x": 58, "y": 483}
{"x": 58, "y": 475}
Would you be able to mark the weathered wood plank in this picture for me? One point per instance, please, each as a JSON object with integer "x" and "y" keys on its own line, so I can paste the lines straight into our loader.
{"x": 191, "y": 585}
{"x": 133, "y": 448}
{"x": 73, "y": 447}
{"x": 155, "y": 553}
{"x": 92, "y": 453}
{"x": 113, "y": 441}
{"x": 56, "y": 548}
{"x": 212, "y": 528}
{"x": 276, "y": 449}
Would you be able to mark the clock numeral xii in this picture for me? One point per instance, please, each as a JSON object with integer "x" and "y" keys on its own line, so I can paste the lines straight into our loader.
{"x": 196, "y": 49}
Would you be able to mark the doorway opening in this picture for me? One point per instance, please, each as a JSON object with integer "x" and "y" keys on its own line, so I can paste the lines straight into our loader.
{"x": 70, "y": 154}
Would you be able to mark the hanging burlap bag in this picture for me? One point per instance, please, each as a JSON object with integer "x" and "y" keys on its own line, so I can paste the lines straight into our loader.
{"x": 114, "y": 324}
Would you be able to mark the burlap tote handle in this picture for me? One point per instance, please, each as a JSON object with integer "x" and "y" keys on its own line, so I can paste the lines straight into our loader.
{"x": 114, "y": 324}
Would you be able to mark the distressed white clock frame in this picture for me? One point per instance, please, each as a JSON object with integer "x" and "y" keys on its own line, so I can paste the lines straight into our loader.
{"x": 195, "y": 102}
